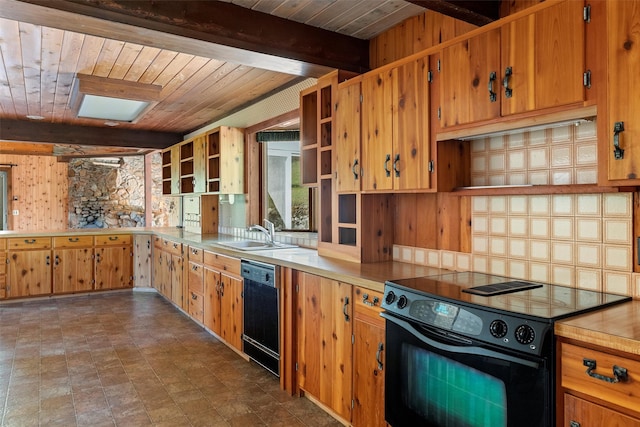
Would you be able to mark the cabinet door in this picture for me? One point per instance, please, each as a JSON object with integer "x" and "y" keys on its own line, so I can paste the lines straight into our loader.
{"x": 175, "y": 278}
{"x": 581, "y": 413}
{"x": 231, "y": 311}
{"x": 348, "y": 161}
{"x": 72, "y": 270}
{"x": 113, "y": 267}
{"x": 29, "y": 273}
{"x": 156, "y": 280}
{"x": 545, "y": 52}
{"x": 411, "y": 127}
{"x": 324, "y": 341}
{"x": 377, "y": 131}
{"x": 368, "y": 375}
{"x": 623, "y": 29}
{"x": 175, "y": 169}
{"x": 212, "y": 300}
{"x": 467, "y": 68}
{"x": 199, "y": 164}
{"x": 231, "y": 160}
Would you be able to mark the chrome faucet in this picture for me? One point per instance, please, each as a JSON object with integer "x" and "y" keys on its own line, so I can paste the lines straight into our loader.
{"x": 268, "y": 229}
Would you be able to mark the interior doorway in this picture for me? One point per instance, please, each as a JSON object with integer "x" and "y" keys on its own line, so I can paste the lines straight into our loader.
{"x": 3, "y": 201}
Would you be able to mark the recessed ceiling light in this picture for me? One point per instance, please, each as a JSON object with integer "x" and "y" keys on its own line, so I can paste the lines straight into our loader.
{"x": 32, "y": 117}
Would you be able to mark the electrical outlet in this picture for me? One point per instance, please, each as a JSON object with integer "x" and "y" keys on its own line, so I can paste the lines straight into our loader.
{"x": 15, "y": 212}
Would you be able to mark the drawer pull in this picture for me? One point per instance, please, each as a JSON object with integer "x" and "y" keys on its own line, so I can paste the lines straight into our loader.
{"x": 574, "y": 424}
{"x": 194, "y": 296}
{"x": 29, "y": 241}
{"x": 619, "y": 373}
{"x": 365, "y": 300}
{"x": 113, "y": 238}
{"x": 378, "y": 354}
{"x": 74, "y": 239}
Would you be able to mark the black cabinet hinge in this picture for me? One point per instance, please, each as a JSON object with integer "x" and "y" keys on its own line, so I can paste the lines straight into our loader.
{"x": 586, "y": 13}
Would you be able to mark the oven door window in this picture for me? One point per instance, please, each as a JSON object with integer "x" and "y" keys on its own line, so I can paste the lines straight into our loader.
{"x": 434, "y": 381}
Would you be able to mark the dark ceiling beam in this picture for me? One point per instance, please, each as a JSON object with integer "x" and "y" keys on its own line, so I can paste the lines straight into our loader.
{"x": 29, "y": 131}
{"x": 212, "y": 29}
{"x": 474, "y": 12}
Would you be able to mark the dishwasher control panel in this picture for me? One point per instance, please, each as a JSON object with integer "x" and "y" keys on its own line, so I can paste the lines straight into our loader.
{"x": 258, "y": 272}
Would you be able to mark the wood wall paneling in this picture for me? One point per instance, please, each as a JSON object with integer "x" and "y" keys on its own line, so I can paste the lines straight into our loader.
{"x": 40, "y": 192}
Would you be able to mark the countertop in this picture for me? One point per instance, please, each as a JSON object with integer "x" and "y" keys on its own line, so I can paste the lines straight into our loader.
{"x": 370, "y": 275}
{"x": 616, "y": 327}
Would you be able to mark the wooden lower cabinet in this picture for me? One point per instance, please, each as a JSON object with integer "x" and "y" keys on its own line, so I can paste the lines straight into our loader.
{"x": 600, "y": 397}
{"x": 223, "y": 306}
{"x": 168, "y": 271}
{"x": 3, "y": 269}
{"x": 324, "y": 329}
{"x": 73, "y": 270}
{"x": 368, "y": 359}
{"x": 195, "y": 295}
{"x": 113, "y": 267}
{"x": 29, "y": 273}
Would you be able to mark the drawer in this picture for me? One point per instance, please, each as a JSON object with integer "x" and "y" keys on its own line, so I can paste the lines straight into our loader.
{"x": 586, "y": 413}
{"x": 174, "y": 248}
{"x": 195, "y": 254}
{"x": 367, "y": 303}
{"x": 191, "y": 205}
{"x": 72, "y": 241}
{"x": 575, "y": 377}
{"x": 196, "y": 278}
{"x": 196, "y": 306}
{"x": 3, "y": 244}
{"x": 222, "y": 262}
{"x": 113, "y": 240}
{"x": 29, "y": 243}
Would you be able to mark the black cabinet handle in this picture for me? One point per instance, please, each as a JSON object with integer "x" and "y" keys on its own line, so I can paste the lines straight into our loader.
{"x": 57, "y": 260}
{"x": 378, "y": 354}
{"x": 493, "y": 97}
{"x": 29, "y": 241}
{"x": 619, "y": 373}
{"x": 386, "y": 165}
{"x": 618, "y": 153}
{"x": 344, "y": 309}
{"x": 508, "y": 92}
{"x": 365, "y": 300}
{"x": 354, "y": 169}
{"x": 74, "y": 239}
{"x": 574, "y": 424}
{"x": 113, "y": 238}
{"x": 395, "y": 165}
{"x": 48, "y": 260}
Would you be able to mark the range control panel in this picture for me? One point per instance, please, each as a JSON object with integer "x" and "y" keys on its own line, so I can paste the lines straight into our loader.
{"x": 501, "y": 329}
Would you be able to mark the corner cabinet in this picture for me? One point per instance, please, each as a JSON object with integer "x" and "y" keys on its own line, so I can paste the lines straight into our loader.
{"x": 168, "y": 270}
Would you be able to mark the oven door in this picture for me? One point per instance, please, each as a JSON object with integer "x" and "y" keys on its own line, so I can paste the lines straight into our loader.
{"x": 433, "y": 378}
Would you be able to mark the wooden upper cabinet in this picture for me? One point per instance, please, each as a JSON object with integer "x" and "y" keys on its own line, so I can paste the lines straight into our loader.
{"x": 545, "y": 53}
{"x": 623, "y": 30}
{"x": 231, "y": 160}
{"x": 348, "y": 161}
{"x": 395, "y": 128}
{"x": 470, "y": 86}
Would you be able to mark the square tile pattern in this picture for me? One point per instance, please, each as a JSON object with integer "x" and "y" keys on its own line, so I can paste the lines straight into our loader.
{"x": 579, "y": 240}
{"x": 131, "y": 359}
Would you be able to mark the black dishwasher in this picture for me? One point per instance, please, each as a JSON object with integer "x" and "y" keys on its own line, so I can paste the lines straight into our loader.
{"x": 261, "y": 334}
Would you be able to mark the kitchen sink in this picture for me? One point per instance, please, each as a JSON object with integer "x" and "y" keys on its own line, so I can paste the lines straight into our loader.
{"x": 255, "y": 245}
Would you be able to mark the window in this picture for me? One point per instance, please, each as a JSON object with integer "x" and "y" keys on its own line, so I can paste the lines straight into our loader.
{"x": 288, "y": 204}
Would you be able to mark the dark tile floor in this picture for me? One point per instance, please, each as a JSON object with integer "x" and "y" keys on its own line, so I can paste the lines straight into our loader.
{"x": 131, "y": 359}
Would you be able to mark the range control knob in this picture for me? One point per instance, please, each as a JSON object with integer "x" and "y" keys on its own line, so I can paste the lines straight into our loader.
{"x": 498, "y": 328}
{"x": 525, "y": 334}
{"x": 390, "y": 298}
{"x": 402, "y": 301}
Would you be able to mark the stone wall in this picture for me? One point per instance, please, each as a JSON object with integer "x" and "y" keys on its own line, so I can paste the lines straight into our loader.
{"x": 106, "y": 193}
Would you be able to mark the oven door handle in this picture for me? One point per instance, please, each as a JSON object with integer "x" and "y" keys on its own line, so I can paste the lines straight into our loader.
{"x": 457, "y": 349}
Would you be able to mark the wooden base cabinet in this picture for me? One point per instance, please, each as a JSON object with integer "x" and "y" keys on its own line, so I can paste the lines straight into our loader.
{"x": 168, "y": 270}
{"x": 597, "y": 387}
{"x": 3, "y": 269}
{"x": 73, "y": 264}
{"x": 324, "y": 329}
{"x": 195, "y": 277}
{"x": 29, "y": 267}
{"x": 114, "y": 261}
{"x": 368, "y": 359}
{"x": 223, "y": 306}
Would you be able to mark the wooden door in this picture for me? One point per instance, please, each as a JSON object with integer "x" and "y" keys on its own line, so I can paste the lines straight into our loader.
{"x": 467, "y": 70}
{"x": 348, "y": 161}
{"x": 199, "y": 164}
{"x": 231, "y": 160}
{"x": 231, "y": 310}
{"x": 212, "y": 300}
{"x": 579, "y": 412}
{"x": 377, "y": 131}
{"x": 175, "y": 169}
{"x": 29, "y": 273}
{"x": 324, "y": 341}
{"x": 623, "y": 29}
{"x": 113, "y": 267}
{"x": 411, "y": 127}
{"x": 72, "y": 270}
{"x": 368, "y": 373}
{"x": 177, "y": 283}
{"x": 545, "y": 52}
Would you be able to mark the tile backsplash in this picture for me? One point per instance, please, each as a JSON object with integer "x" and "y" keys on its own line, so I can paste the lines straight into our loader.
{"x": 581, "y": 240}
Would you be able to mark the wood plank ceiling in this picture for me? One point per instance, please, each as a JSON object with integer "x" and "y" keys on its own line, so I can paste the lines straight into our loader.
{"x": 43, "y": 45}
